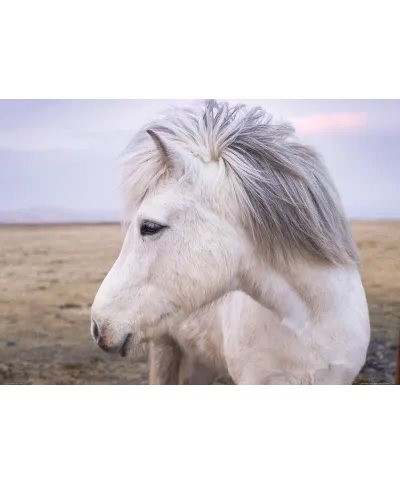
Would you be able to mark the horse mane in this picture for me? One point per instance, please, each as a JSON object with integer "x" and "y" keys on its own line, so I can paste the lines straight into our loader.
{"x": 288, "y": 198}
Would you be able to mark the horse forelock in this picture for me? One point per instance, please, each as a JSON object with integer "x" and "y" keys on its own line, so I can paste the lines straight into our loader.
{"x": 283, "y": 189}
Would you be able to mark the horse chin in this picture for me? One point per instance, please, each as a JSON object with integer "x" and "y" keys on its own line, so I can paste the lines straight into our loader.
{"x": 137, "y": 343}
{"x": 139, "y": 340}
{"x": 150, "y": 331}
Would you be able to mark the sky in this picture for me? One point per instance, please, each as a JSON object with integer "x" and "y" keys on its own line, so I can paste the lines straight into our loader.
{"x": 61, "y": 155}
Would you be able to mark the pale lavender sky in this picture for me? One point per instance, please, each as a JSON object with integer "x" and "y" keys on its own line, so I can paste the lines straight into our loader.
{"x": 62, "y": 154}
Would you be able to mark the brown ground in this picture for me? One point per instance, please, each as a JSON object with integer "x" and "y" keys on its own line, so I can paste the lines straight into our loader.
{"x": 49, "y": 276}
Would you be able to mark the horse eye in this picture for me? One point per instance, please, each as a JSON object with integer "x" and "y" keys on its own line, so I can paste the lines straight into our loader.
{"x": 148, "y": 228}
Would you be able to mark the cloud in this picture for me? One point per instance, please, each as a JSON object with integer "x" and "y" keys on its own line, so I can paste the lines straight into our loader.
{"x": 108, "y": 125}
{"x": 50, "y": 139}
{"x": 75, "y": 124}
{"x": 38, "y": 139}
{"x": 331, "y": 122}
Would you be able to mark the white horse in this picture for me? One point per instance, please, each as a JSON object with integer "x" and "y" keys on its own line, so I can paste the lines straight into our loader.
{"x": 237, "y": 250}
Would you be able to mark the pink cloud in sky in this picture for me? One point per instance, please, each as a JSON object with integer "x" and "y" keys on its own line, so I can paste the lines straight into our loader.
{"x": 331, "y": 122}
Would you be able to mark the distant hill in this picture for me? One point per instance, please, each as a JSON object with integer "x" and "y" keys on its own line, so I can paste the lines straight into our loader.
{"x": 55, "y": 215}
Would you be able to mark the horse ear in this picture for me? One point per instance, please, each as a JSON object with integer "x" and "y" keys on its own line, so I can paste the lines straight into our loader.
{"x": 170, "y": 155}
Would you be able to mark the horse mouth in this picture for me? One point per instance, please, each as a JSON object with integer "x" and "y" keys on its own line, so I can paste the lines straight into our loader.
{"x": 124, "y": 349}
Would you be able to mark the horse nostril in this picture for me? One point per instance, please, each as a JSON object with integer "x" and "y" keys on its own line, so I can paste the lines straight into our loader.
{"x": 95, "y": 330}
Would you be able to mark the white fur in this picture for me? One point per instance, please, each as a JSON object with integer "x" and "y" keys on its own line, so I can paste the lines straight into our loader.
{"x": 206, "y": 281}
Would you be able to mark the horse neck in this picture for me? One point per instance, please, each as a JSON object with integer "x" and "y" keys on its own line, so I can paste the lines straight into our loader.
{"x": 304, "y": 292}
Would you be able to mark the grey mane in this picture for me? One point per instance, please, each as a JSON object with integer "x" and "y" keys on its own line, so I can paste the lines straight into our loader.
{"x": 288, "y": 198}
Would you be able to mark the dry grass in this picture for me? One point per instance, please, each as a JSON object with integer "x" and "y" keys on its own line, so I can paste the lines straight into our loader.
{"x": 379, "y": 244}
{"x": 49, "y": 276}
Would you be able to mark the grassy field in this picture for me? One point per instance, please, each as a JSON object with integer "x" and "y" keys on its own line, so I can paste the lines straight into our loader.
{"x": 49, "y": 276}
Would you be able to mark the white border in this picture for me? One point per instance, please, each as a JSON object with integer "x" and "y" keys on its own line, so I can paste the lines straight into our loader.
{"x": 252, "y": 50}
{"x": 213, "y": 434}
